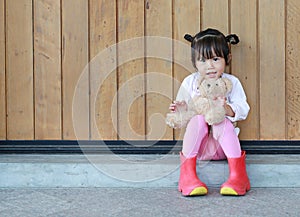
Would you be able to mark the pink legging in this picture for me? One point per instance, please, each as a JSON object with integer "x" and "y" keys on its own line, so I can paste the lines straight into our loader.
{"x": 222, "y": 143}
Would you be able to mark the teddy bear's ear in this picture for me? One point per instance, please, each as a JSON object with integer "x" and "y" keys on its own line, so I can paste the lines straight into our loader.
{"x": 199, "y": 82}
{"x": 228, "y": 85}
{"x": 200, "y": 87}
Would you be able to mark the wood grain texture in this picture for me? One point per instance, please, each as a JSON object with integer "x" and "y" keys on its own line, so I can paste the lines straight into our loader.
{"x": 159, "y": 88}
{"x": 103, "y": 81}
{"x": 74, "y": 61}
{"x": 2, "y": 73}
{"x": 215, "y": 15}
{"x": 47, "y": 45}
{"x": 47, "y": 69}
{"x": 292, "y": 69}
{"x": 19, "y": 70}
{"x": 245, "y": 61}
{"x": 131, "y": 82}
{"x": 272, "y": 69}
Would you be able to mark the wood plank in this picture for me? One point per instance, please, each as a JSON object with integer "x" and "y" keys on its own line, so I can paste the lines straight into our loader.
{"x": 244, "y": 61}
{"x": 74, "y": 61}
{"x": 131, "y": 100}
{"x": 2, "y": 73}
{"x": 215, "y": 15}
{"x": 103, "y": 83}
{"x": 47, "y": 69}
{"x": 292, "y": 69}
{"x": 20, "y": 114}
{"x": 183, "y": 23}
{"x": 272, "y": 69}
{"x": 159, "y": 86}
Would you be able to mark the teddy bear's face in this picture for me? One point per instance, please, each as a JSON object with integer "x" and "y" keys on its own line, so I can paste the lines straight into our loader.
{"x": 214, "y": 87}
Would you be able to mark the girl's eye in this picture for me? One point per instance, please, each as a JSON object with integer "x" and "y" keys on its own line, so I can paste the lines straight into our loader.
{"x": 202, "y": 59}
{"x": 216, "y": 58}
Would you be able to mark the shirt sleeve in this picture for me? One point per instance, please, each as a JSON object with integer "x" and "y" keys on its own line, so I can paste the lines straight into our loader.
{"x": 183, "y": 94}
{"x": 238, "y": 102}
{"x": 185, "y": 90}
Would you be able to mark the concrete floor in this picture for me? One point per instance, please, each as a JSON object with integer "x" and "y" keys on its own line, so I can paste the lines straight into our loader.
{"x": 95, "y": 202}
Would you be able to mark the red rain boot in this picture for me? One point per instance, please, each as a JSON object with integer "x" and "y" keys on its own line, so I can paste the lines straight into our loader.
{"x": 189, "y": 183}
{"x": 238, "y": 182}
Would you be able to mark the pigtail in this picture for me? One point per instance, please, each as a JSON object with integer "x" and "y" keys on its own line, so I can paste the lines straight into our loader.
{"x": 232, "y": 39}
{"x": 188, "y": 37}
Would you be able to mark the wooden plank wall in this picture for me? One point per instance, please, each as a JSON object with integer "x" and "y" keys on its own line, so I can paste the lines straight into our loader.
{"x": 2, "y": 72}
{"x": 19, "y": 70}
{"x": 135, "y": 49}
{"x": 47, "y": 69}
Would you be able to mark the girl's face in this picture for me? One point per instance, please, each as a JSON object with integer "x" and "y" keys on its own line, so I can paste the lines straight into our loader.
{"x": 211, "y": 68}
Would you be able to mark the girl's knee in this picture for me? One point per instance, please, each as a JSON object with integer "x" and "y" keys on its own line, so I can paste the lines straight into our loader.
{"x": 199, "y": 119}
{"x": 224, "y": 124}
{"x": 223, "y": 128}
{"x": 197, "y": 123}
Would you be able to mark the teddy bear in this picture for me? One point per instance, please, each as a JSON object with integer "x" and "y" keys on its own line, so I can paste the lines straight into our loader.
{"x": 206, "y": 103}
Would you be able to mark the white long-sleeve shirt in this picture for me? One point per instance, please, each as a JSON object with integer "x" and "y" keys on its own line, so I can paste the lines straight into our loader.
{"x": 236, "y": 98}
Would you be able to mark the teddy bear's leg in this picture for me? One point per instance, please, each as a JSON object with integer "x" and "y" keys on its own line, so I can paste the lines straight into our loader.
{"x": 210, "y": 117}
{"x": 170, "y": 119}
{"x": 215, "y": 116}
{"x": 179, "y": 119}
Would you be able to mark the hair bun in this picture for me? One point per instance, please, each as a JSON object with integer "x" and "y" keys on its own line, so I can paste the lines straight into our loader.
{"x": 232, "y": 39}
{"x": 188, "y": 37}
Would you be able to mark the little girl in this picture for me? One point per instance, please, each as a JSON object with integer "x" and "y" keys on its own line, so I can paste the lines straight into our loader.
{"x": 210, "y": 55}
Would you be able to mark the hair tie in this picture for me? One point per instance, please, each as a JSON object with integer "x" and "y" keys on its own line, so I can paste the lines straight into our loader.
{"x": 188, "y": 37}
{"x": 232, "y": 39}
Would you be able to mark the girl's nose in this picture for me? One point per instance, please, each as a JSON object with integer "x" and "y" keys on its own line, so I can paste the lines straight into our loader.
{"x": 209, "y": 63}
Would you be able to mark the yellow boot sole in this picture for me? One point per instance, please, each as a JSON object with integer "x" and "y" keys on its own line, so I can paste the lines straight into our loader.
{"x": 198, "y": 191}
{"x": 228, "y": 191}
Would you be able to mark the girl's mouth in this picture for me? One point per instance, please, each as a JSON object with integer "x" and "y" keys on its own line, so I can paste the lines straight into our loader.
{"x": 211, "y": 73}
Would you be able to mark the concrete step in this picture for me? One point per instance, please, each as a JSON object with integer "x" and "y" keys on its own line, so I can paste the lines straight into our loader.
{"x": 141, "y": 171}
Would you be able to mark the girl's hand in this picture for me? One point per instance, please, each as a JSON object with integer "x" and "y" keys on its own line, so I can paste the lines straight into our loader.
{"x": 221, "y": 100}
{"x": 177, "y": 106}
{"x": 228, "y": 110}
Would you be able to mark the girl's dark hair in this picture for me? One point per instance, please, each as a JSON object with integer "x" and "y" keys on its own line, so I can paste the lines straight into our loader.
{"x": 209, "y": 42}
